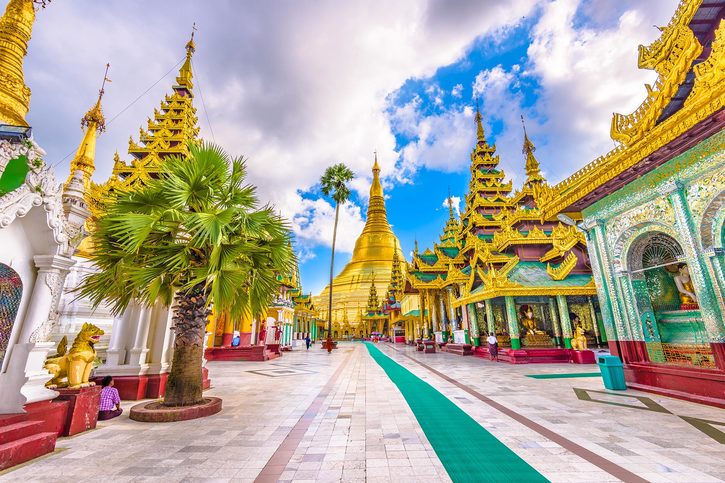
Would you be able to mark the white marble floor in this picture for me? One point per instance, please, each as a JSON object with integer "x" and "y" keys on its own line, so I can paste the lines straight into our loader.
{"x": 310, "y": 416}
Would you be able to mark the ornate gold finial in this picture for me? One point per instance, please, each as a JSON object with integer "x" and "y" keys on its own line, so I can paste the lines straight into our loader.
{"x": 94, "y": 123}
{"x": 450, "y": 204}
{"x": 533, "y": 170}
{"x": 16, "y": 27}
{"x": 185, "y": 76}
{"x": 479, "y": 125}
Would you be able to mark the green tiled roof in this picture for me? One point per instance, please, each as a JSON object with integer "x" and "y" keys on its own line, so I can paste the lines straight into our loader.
{"x": 533, "y": 274}
{"x": 450, "y": 251}
{"x": 429, "y": 259}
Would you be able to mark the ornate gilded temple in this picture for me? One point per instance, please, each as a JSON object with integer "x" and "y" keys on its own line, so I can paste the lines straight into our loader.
{"x": 505, "y": 267}
{"x": 371, "y": 264}
{"x": 653, "y": 212}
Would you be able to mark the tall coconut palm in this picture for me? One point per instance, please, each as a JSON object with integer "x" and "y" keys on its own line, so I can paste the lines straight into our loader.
{"x": 334, "y": 184}
{"x": 194, "y": 237}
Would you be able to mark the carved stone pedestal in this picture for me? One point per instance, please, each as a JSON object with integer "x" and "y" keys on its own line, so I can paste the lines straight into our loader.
{"x": 583, "y": 357}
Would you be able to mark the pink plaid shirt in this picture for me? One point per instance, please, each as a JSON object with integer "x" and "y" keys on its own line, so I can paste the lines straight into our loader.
{"x": 109, "y": 399}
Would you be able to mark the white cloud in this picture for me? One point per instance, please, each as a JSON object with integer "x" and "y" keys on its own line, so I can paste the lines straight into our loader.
{"x": 586, "y": 73}
{"x": 293, "y": 92}
{"x": 457, "y": 90}
{"x": 442, "y": 141}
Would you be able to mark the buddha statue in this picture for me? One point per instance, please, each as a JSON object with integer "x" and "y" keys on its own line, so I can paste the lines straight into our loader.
{"x": 528, "y": 322}
{"x": 685, "y": 287}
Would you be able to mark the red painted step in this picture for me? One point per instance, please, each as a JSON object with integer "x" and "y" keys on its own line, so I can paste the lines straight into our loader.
{"x": 7, "y": 419}
{"x": 26, "y": 449}
{"x": 15, "y": 431}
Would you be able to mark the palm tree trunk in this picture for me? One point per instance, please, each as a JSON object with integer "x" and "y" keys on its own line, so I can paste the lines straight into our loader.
{"x": 184, "y": 387}
{"x": 332, "y": 268}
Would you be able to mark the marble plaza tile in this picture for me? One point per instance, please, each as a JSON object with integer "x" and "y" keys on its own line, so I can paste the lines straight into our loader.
{"x": 363, "y": 430}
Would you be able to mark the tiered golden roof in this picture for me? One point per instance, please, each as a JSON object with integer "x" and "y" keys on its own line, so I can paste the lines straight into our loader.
{"x": 16, "y": 26}
{"x": 169, "y": 133}
{"x": 173, "y": 127}
{"x": 503, "y": 245}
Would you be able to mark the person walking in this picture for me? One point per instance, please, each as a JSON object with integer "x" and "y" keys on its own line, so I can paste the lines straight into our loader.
{"x": 308, "y": 341}
{"x": 492, "y": 346}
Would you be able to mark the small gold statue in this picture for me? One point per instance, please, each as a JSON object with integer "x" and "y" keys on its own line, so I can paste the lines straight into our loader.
{"x": 579, "y": 341}
{"x": 528, "y": 321}
{"x": 72, "y": 368}
{"x": 684, "y": 286}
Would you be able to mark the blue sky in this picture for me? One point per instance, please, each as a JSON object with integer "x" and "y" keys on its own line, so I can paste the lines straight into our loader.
{"x": 295, "y": 87}
{"x": 415, "y": 204}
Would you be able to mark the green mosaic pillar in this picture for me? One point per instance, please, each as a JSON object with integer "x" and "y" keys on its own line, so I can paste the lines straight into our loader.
{"x": 714, "y": 259}
{"x": 513, "y": 322}
{"x": 595, "y": 322}
{"x": 433, "y": 314}
{"x": 604, "y": 279}
{"x": 452, "y": 313}
{"x": 473, "y": 324}
{"x": 443, "y": 316}
{"x": 704, "y": 286}
{"x": 555, "y": 322}
{"x": 564, "y": 318}
{"x": 490, "y": 321}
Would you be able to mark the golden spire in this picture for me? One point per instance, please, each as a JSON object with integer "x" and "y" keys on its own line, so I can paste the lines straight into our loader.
{"x": 377, "y": 219}
{"x": 185, "y": 73}
{"x": 94, "y": 123}
{"x": 533, "y": 171}
{"x": 16, "y": 26}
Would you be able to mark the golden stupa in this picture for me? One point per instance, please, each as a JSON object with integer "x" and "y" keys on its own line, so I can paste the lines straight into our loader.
{"x": 371, "y": 262}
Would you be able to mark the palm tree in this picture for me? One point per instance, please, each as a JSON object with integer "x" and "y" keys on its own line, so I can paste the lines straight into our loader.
{"x": 194, "y": 237}
{"x": 334, "y": 184}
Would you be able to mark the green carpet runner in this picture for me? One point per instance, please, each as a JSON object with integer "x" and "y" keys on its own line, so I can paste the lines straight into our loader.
{"x": 468, "y": 452}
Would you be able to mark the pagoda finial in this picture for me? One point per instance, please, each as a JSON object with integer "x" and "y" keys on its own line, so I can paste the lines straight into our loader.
{"x": 480, "y": 136}
{"x": 93, "y": 124}
{"x": 450, "y": 204}
{"x": 185, "y": 73}
{"x": 415, "y": 246}
{"x": 533, "y": 170}
{"x": 16, "y": 27}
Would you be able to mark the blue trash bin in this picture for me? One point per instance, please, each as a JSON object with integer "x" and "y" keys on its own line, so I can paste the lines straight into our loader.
{"x": 612, "y": 372}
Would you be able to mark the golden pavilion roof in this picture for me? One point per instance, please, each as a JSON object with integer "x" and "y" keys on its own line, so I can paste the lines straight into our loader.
{"x": 683, "y": 103}
{"x": 373, "y": 255}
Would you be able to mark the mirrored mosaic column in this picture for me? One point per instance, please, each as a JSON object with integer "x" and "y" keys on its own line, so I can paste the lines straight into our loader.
{"x": 513, "y": 322}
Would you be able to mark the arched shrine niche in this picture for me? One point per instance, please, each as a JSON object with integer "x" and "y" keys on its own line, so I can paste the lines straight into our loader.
{"x": 666, "y": 301}
{"x": 11, "y": 292}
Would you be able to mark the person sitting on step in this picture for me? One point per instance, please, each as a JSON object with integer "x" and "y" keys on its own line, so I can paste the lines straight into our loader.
{"x": 110, "y": 406}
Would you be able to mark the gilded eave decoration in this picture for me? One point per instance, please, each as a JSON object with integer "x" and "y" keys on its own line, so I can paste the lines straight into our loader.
{"x": 706, "y": 98}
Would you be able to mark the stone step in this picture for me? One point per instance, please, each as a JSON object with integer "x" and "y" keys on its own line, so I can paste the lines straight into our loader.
{"x": 15, "y": 431}
{"x": 26, "y": 449}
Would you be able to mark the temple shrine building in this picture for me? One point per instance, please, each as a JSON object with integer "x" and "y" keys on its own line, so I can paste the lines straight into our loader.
{"x": 653, "y": 213}
{"x": 508, "y": 269}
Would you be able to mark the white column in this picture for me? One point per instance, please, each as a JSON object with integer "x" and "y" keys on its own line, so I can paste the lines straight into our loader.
{"x": 137, "y": 354}
{"x": 159, "y": 334}
{"x": 120, "y": 334}
{"x": 38, "y": 323}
